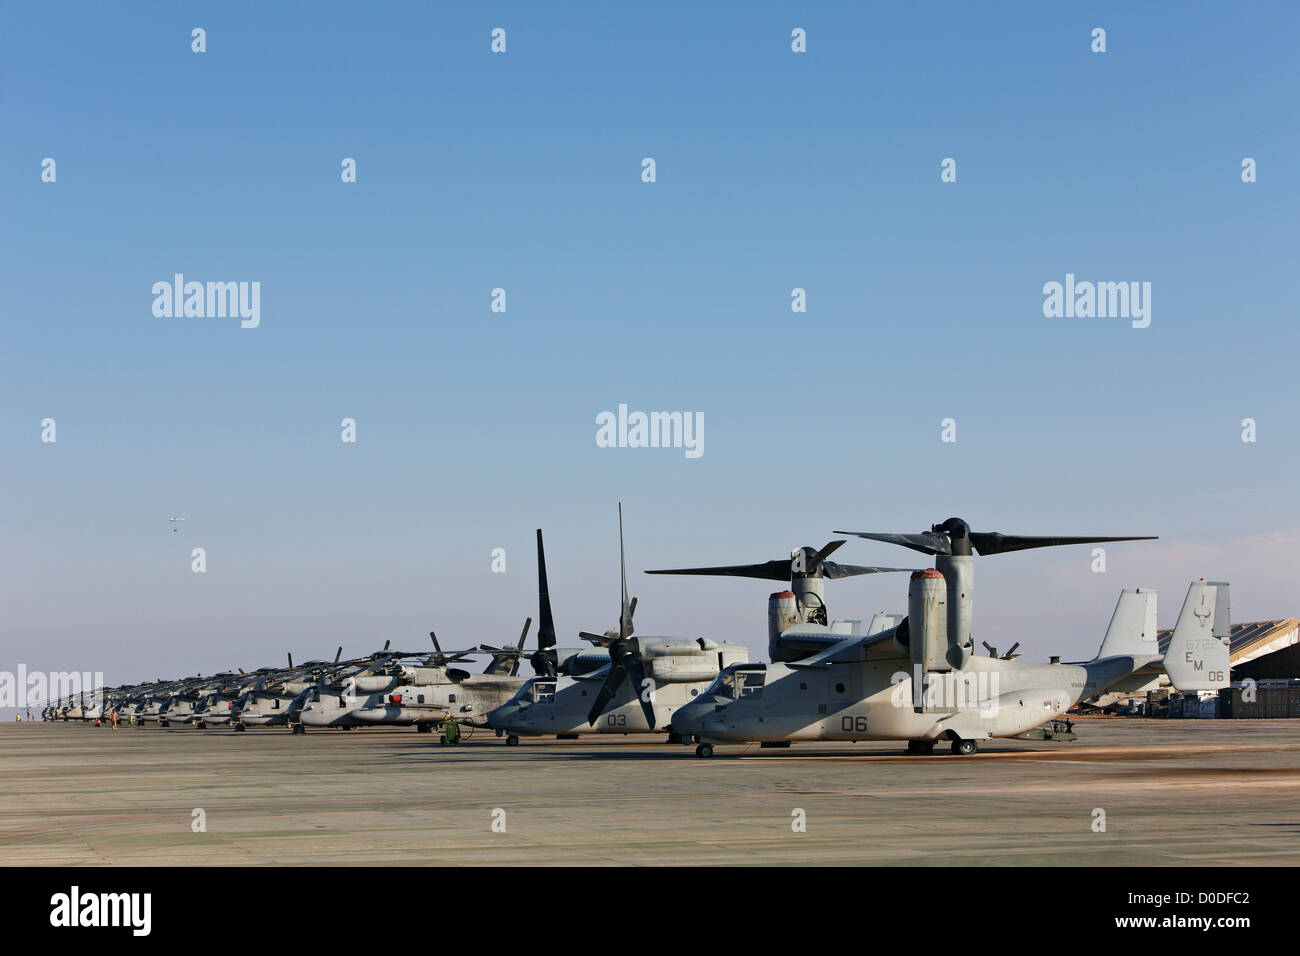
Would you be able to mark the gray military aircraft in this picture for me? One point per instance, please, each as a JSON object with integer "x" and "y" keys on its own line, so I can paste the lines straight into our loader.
{"x": 266, "y": 702}
{"x": 807, "y": 570}
{"x": 424, "y": 690}
{"x": 637, "y": 685}
{"x": 918, "y": 681}
{"x": 1198, "y": 662}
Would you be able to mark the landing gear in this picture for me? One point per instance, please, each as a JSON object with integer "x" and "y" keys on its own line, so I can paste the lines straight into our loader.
{"x": 512, "y": 740}
{"x": 923, "y": 747}
{"x": 964, "y": 748}
{"x": 240, "y": 728}
{"x": 299, "y": 729}
{"x": 423, "y": 729}
{"x": 674, "y": 738}
{"x": 704, "y": 750}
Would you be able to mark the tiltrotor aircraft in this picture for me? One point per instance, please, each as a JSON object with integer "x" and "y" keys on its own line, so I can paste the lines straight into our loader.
{"x": 639, "y": 684}
{"x": 920, "y": 680}
{"x": 807, "y": 570}
{"x": 1196, "y": 658}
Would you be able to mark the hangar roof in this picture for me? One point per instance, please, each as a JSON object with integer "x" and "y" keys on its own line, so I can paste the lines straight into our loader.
{"x": 1251, "y": 639}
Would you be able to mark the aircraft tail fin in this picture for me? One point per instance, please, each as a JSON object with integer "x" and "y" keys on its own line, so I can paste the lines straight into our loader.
{"x": 1132, "y": 631}
{"x": 1197, "y": 656}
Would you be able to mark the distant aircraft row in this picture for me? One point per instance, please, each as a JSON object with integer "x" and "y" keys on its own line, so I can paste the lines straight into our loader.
{"x": 911, "y": 677}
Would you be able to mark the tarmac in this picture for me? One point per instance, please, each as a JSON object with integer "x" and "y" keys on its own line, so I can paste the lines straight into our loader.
{"x": 1169, "y": 792}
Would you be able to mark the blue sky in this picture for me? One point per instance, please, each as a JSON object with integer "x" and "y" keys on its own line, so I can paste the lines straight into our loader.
{"x": 522, "y": 171}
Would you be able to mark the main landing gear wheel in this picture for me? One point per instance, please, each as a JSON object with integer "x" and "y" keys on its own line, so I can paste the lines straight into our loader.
{"x": 964, "y": 748}
{"x": 299, "y": 729}
{"x": 704, "y": 750}
{"x": 512, "y": 740}
{"x": 239, "y": 728}
{"x": 423, "y": 729}
{"x": 924, "y": 747}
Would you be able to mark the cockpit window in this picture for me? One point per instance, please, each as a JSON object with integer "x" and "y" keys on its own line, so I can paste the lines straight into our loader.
{"x": 750, "y": 684}
{"x": 737, "y": 684}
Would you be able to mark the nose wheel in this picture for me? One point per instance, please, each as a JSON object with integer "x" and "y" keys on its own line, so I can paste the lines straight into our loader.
{"x": 512, "y": 740}
{"x": 704, "y": 750}
{"x": 964, "y": 748}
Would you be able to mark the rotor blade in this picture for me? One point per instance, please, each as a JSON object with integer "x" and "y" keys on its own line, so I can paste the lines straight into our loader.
{"x": 528, "y": 622}
{"x": 338, "y": 654}
{"x": 768, "y": 570}
{"x": 927, "y": 542}
{"x": 824, "y": 553}
{"x": 991, "y": 542}
{"x": 636, "y": 675}
{"x": 290, "y": 656}
{"x": 832, "y": 570}
{"x": 544, "y": 661}
{"x": 436, "y": 646}
{"x": 607, "y": 691}
{"x": 386, "y": 643}
{"x": 1011, "y": 654}
{"x": 624, "y": 613}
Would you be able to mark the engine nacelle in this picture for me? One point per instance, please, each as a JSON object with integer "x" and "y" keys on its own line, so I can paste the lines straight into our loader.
{"x": 677, "y": 669}
{"x": 782, "y": 613}
{"x": 927, "y": 620}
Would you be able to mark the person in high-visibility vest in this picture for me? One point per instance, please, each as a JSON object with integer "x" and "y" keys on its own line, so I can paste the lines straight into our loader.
{"x": 451, "y": 731}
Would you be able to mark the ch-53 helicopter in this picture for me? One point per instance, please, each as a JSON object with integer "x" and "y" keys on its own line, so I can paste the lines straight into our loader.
{"x": 637, "y": 686}
{"x": 424, "y": 690}
{"x": 266, "y": 701}
{"x": 920, "y": 681}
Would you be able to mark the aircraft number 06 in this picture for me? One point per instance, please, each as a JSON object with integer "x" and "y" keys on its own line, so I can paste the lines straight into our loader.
{"x": 851, "y": 724}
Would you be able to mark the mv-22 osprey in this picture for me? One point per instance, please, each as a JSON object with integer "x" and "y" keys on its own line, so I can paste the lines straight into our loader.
{"x": 920, "y": 680}
{"x": 638, "y": 684}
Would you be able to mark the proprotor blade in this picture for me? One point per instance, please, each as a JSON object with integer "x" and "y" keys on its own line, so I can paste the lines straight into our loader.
{"x": 832, "y": 570}
{"x": 768, "y": 570}
{"x": 607, "y": 690}
{"x": 545, "y": 660}
{"x": 625, "y": 612}
{"x": 991, "y": 542}
{"x": 927, "y": 542}
{"x": 636, "y": 675}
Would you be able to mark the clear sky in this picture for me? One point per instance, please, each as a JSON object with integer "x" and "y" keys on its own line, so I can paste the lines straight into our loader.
{"x": 523, "y": 171}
